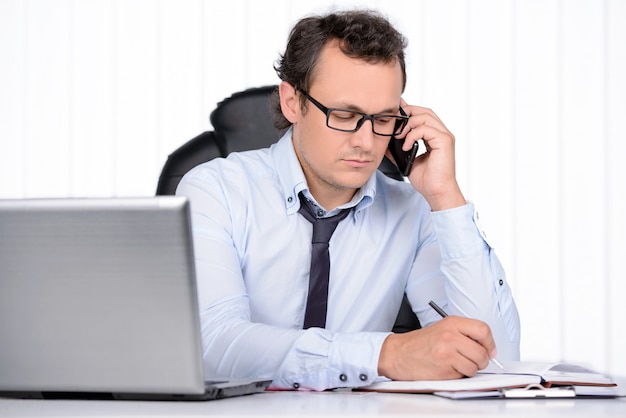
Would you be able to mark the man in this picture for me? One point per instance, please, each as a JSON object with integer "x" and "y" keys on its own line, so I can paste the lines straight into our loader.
{"x": 343, "y": 75}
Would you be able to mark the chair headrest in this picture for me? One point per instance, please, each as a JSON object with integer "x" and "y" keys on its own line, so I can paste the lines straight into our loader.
{"x": 244, "y": 120}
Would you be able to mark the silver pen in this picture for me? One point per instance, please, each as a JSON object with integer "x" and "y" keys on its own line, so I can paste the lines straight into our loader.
{"x": 443, "y": 314}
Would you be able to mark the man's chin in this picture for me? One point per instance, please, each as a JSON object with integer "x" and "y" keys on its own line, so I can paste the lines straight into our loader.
{"x": 353, "y": 180}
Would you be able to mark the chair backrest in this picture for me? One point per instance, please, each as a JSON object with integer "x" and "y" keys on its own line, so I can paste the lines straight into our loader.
{"x": 195, "y": 151}
{"x": 242, "y": 122}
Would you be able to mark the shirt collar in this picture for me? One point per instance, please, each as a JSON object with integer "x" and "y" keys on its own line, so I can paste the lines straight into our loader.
{"x": 293, "y": 182}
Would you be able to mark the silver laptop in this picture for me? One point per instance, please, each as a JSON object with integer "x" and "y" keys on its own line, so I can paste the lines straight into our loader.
{"x": 98, "y": 301}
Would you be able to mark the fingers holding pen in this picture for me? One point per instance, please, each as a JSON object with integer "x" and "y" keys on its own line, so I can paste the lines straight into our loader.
{"x": 448, "y": 349}
{"x": 465, "y": 343}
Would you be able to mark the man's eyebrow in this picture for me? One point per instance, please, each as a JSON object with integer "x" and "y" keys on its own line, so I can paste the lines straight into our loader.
{"x": 358, "y": 109}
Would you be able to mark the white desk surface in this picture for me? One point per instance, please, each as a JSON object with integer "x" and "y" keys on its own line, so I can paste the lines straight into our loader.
{"x": 323, "y": 404}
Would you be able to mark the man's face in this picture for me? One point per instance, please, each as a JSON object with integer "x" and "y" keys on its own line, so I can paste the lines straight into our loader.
{"x": 338, "y": 163}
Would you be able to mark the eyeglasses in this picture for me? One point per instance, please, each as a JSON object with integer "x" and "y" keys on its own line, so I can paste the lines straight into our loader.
{"x": 351, "y": 121}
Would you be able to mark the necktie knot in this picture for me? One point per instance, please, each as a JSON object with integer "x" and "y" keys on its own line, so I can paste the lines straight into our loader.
{"x": 323, "y": 228}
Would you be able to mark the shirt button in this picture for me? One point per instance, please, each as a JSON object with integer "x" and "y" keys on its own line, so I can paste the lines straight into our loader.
{"x": 320, "y": 213}
{"x": 343, "y": 377}
{"x": 296, "y": 385}
{"x": 290, "y": 199}
{"x": 501, "y": 282}
{"x": 363, "y": 377}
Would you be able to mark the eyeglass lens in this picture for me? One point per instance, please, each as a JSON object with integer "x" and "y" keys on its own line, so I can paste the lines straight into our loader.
{"x": 345, "y": 120}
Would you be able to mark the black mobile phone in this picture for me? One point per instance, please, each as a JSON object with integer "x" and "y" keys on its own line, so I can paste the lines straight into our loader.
{"x": 404, "y": 159}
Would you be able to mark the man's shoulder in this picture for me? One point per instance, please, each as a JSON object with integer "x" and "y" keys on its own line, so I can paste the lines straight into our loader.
{"x": 237, "y": 165}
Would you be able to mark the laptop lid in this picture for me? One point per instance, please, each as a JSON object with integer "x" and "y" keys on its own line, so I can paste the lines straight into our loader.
{"x": 98, "y": 299}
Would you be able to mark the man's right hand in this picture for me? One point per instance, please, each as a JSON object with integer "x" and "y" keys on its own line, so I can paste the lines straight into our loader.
{"x": 451, "y": 348}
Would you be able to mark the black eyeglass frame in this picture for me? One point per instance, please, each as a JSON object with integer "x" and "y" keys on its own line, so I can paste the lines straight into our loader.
{"x": 401, "y": 120}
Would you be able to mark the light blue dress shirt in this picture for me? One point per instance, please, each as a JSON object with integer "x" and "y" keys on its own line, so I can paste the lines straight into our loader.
{"x": 253, "y": 251}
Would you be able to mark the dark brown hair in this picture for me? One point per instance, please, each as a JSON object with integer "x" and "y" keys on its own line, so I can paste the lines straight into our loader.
{"x": 362, "y": 34}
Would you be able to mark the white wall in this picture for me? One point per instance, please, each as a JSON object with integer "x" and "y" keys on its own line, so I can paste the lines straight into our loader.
{"x": 94, "y": 94}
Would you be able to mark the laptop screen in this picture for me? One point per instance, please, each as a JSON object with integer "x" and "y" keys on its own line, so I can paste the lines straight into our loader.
{"x": 98, "y": 295}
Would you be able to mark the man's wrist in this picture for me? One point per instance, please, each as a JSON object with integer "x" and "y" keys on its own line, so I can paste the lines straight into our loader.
{"x": 386, "y": 360}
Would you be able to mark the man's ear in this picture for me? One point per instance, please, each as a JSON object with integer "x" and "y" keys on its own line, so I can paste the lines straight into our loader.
{"x": 289, "y": 102}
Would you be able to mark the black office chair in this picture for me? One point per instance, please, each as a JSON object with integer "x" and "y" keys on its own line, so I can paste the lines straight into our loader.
{"x": 241, "y": 122}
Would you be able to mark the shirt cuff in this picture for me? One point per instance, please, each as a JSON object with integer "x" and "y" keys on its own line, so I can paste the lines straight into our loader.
{"x": 355, "y": 356}
{"x": 458, "y": 232}
{"x": 344, "y": 360}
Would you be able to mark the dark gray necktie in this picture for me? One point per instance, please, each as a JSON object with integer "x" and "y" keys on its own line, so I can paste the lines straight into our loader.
{"x": 323, "y": 228}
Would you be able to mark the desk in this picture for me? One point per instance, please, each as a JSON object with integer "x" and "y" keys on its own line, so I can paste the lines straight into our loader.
{"x": 322, "y": 404}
